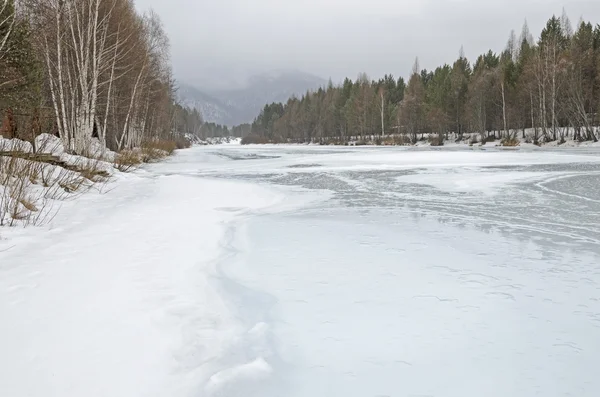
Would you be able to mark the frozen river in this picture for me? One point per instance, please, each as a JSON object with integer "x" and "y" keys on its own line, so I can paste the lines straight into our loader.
{"x": 296, "y": 271}
{"x": 417, "y": 273}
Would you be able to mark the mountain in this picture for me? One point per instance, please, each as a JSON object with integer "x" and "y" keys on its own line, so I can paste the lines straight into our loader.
{"x": 211, "y": 108}
{"x": 243, "y": 104}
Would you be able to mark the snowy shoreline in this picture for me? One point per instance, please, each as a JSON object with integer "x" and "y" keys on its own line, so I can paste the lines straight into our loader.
{"x": 123, "y": 285}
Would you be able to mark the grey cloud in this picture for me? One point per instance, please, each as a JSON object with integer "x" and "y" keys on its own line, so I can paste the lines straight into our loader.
{"x": 222, "y": 41}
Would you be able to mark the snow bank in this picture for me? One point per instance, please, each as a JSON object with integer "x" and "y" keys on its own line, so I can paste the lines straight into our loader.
{"x": 98, "y": 151}
{"x": 16, "y": 145}
{"x": 46, "y": 143}
{"x": 50, "y": 144}
{"x": 87, "y": 163}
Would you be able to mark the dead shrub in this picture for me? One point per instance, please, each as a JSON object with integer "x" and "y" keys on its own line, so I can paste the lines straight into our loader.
{"x": 153, "y": 151}
{"x": 254, "y": 139}
{"x": 18, "y": 199}
{"x": 30, "y": 185}
{"x": 166, "y": 146}
{"x": 127, "y": 160}
{"x": 92, "y": 171}
{"x": 436, "y": 140}
{"x": 46, "y": 174}
{"x": 334, "y": 141}
{"x": 60, "y": 182}
{"x": 65, "y": 183}
{"x": 510, "y": 142}
{"x": 488, "y": 139}
{"x": 71, "y": 185}
{"x": 151, "y": 155}
{"x": 395, "y": 140}
{"x": 30, "y": 206}
{"x": 181, "y": 142}
{"x": 35, "y": 173}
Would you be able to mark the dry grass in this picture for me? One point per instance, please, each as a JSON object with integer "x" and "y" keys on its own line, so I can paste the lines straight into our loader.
{"x": 156, "y": 150}
{"x": 510, "y": 142}
{"x": 153, "y": 151}
{"x": 127, "y": 160}
{"x": 29, "y": 206}
{"x": 254, "y": 140}
{"x": 152, "y": 155}
{"x": 182, "y": 142}
{"x": 28, "y": 187}
{"x": 489, "y": 139}
{"x": 396, "y": 140}
{"x": 436, "y": 140}
{"x": 92, "y": 171}
{"x": 18, "y": 200}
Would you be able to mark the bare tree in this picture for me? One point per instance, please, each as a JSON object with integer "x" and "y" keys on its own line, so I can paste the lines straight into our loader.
{"x": 7, "y": 21}
{"x": 381, "y": 103}
{"x": 73, "y": 37}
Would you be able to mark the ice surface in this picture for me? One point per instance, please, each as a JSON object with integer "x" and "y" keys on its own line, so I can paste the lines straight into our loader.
{"x": 311, "y": 271}
{"x": 437, "y": 273}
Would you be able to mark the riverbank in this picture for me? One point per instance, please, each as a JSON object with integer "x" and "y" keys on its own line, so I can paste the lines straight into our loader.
{"x": 529, "y": 139}
{"x": 36, "y": 178}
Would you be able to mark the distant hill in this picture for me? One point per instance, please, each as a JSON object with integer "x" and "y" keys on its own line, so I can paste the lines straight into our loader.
{"x": 242, "y": 105}
{"x": 211, "y": 108}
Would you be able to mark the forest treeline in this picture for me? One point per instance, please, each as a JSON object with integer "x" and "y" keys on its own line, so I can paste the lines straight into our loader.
{"x": 540, "y": 90}
{"x": 84, "y": 69}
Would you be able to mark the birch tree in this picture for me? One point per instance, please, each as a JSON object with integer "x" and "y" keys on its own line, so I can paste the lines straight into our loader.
{"x": 7, "y": 21}
{"x": 73, "y": 37}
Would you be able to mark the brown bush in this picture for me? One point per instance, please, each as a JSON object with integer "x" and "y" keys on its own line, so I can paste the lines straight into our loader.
{"x": 152, "y": 155}
{"x": 333, "y": 141}
{"x": 436, "y": 140}
{"x": 488, "y": 139}
{"x": 127, "y": 160}
{"x": 166, "y": 146}
{"x": 396, "y": 140}
{"x": 18, "y": 201}
{"x": 510, "y": 142}
{"x": 182, "y": 142}
{"x": 28, "y": 205}
{"x": 254, "y": 140}
{"x": 159, "y": 149}
{"x": 23, "y": 202}
{"x": 153, "y": 151}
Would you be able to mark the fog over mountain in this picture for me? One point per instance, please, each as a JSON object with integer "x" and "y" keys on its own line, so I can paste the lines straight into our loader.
{"x": 220, "y": 43}
{"x": 233, "y": 104}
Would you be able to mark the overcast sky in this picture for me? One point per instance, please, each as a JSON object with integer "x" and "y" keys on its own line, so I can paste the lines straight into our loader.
{"x": 224, "y": 40}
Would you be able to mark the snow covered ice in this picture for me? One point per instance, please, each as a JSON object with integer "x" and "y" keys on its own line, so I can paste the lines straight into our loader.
{"x": 314, "y": 271}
